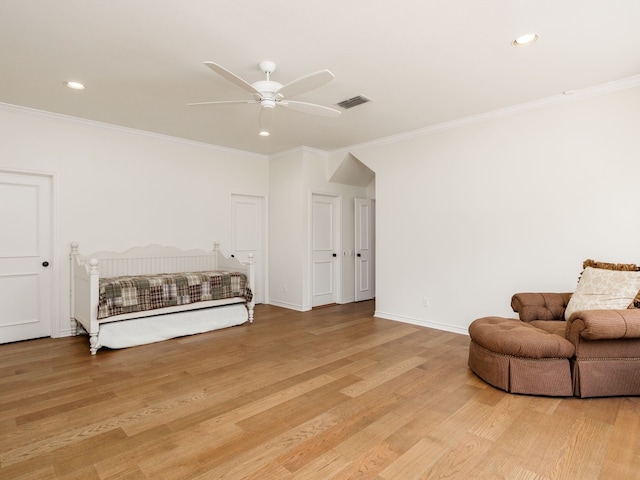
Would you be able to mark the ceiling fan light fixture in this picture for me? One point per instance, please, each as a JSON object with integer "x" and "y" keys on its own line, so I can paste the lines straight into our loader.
{"x": 74, "y": 85}
{"x": 524, "y": 40}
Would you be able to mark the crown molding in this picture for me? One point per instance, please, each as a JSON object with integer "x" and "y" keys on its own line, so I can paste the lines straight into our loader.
{"x": 302, "y": 149}
{"x": 561, "y": 99}
{"x": 128, "y": 130}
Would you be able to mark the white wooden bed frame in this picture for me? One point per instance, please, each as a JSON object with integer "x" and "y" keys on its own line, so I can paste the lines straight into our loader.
{"x": 86, "y": 272}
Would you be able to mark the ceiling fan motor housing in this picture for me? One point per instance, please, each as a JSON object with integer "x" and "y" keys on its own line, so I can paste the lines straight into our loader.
{"x": 267, "y": 88}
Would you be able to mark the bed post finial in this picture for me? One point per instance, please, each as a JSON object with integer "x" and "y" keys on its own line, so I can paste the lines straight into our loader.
{"x": 74, "y": 248}
{"x": 93, "y": 266}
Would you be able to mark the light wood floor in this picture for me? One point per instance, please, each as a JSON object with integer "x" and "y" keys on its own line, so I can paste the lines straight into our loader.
{"x": 328, "y": 394}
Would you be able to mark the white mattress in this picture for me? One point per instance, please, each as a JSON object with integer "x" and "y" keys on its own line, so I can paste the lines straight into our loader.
{"x": 129, "y": 333}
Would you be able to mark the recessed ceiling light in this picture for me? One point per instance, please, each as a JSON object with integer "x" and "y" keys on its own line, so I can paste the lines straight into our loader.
{"x": 74, "y": 85}
{"x": 264, "y": 133}
{"x": 524, "y": 40}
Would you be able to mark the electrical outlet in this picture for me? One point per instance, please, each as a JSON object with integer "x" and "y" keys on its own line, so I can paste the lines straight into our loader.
{"x": 426, "y": 302}
{"x": 284, "y": 288}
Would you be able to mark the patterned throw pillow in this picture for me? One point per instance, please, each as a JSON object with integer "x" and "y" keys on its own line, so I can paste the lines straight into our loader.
{"x": 602, "y": 289}
{"x": 627, "y": 267}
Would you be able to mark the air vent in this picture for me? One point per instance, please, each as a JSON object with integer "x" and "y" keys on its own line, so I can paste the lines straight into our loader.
{"x": 353, "y": 102}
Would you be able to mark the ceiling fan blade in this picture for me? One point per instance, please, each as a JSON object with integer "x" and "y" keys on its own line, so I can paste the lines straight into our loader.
{"x": 221, "y": 102}
{"x": 306, "y": 83}
{"x": 233, "y": 78}
{"x": 265, "y": 119}
{"x": 311, "y": 108}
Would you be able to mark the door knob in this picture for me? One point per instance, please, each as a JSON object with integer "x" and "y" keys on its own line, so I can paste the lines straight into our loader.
{"x": 358, "y": 255}
{"x": 45, "y": 264}
{"x": 334, "y": 255}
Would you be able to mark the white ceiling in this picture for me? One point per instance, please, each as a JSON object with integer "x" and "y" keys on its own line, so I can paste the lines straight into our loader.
{"x": 422, "y": 62}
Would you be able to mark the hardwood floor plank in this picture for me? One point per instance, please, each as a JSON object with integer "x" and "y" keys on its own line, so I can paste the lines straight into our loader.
{"x": 324, "y": 466}
{"x": 500, "y": 418}
{"x": 461, "y": 460}
{"x": 497, "y": 465}
{"x": 242, "y": 458}
{"x": 381, "y": 375}
{"x": 69, "y": 406}
{"x": 46, "y": 437}
{"x": 349, "y": 427}
{"x": 271, "y": 470}
{"x": 369, "y": 438}
{"x": 185, "y": 454}
{"x": 416, "y": 461}
{"x": 521, "y": 439}
{"x": 26, "y": 404}
{"x": 622, "y": 458}
{"x": 575, "y": 462}
{"x": 368, "y": 465}
{"x": 298, "y": 408}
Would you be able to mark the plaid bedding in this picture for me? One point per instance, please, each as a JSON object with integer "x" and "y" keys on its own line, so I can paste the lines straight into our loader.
{"x": 146, "y": 292}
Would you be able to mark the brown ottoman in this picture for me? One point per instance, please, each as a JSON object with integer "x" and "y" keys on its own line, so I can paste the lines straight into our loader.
{"x": 519, "y": 358}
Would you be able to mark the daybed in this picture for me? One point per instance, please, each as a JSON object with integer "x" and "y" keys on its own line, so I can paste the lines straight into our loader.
{"x": 585, "y": 344}
{"x": 149, "y": 294}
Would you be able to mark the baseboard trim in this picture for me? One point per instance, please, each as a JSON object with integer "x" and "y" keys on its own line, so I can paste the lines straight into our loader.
{"x": 290, "y": 306}
{"x": 422, "y": 323}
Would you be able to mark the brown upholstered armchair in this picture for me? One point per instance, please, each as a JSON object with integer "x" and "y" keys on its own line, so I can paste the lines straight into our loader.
{"x": 607, "y": 342}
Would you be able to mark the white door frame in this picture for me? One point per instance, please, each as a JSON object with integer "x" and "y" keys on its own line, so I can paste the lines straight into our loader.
{"x": 56, "y": 262}
{"x": 337, "y": 276}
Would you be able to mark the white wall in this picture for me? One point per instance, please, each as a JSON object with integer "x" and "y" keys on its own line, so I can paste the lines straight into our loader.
{"x": 120, "y": 188}
{"x": 287, "y": 240}
{"x": 469, "y": 216}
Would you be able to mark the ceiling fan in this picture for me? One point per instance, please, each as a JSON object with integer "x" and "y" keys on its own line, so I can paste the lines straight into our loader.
{"x": 269, "y": 94}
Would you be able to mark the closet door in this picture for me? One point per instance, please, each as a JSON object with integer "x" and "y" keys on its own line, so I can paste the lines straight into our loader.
{"x": 25, "y": 256}
{"x": 325, "y": 249}
{"x": 365, "y": 254}
{"x": 247, "y": 232}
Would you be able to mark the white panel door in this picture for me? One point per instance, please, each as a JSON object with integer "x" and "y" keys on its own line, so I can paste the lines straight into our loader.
{"x": 325, "y": 248}
{"x": 247, "y": 225}
{"x": 25, "y": 254}
{"x": 365, "y": 258}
